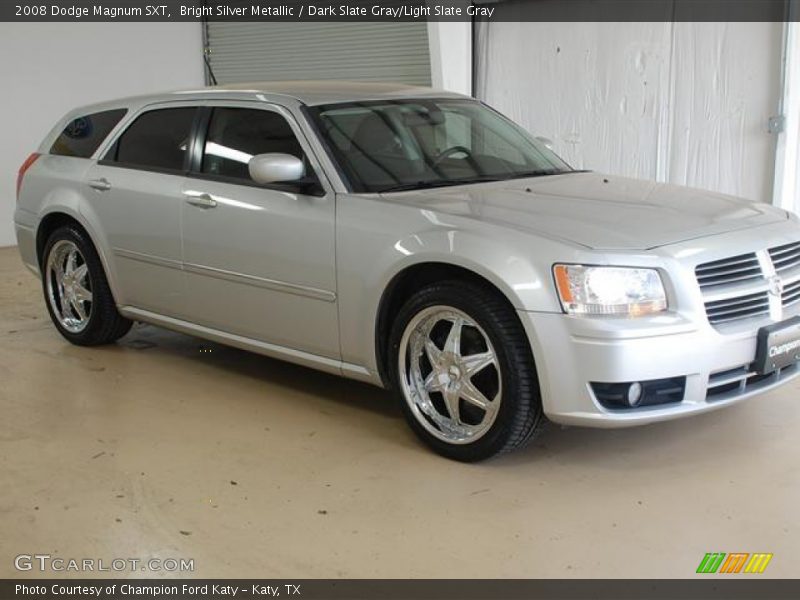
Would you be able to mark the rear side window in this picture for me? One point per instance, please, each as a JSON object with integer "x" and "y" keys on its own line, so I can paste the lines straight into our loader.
{"x": 158, "y": 139}
{"x": 82, "y": 136}
{"x": 235, "y": 135}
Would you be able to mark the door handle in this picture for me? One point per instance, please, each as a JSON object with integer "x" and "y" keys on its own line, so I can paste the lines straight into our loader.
{"x": 200, "y": 199}
{"x": 101, "y": 185}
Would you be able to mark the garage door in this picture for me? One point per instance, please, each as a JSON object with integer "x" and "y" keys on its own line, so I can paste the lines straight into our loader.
{"x": 397, "y": 52}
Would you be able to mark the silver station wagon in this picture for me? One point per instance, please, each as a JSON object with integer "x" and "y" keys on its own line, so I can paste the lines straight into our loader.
{"x": 413, "y": 239}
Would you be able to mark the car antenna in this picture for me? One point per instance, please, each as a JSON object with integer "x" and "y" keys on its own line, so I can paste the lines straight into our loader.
{"x": 211, "y": 75}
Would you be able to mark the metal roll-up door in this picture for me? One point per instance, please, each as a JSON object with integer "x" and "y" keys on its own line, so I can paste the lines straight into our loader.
{"x": 397, "y": 52}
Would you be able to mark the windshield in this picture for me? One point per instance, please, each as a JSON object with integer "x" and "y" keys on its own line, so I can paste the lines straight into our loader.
{"x": 418, "y": 143}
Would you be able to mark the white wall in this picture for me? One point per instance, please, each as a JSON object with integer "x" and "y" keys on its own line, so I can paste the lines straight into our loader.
{"x": 787, "y": 173}
{"x": 46, "y": 69}
{"x": 726, "y": 86}
{"x": 451, "y": 55}
{"x": 686, "y": 103}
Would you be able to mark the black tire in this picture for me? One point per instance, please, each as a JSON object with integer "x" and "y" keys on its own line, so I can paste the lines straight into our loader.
{"x": 519, "y": 416}
{"x": 105, "y": 324}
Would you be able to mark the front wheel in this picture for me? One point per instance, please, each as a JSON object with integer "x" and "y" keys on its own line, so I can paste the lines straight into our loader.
{"x": 464, "y": 371}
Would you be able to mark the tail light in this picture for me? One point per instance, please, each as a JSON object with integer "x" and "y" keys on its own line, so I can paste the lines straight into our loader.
{"x": 25, "y": 166}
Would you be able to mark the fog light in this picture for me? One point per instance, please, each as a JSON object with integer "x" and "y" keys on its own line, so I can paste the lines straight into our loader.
{"x": 635, "y": 394}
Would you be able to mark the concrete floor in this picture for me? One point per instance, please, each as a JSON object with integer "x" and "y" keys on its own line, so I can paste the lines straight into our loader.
{"x": 167, "y": 446}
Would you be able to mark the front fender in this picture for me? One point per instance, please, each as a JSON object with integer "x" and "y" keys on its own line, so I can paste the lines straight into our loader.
{"x": 378, "y": 240}
{"x": 525, "y": 284}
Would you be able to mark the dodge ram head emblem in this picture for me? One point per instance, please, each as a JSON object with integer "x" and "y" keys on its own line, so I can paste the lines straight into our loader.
{"x": 775, "y": 285}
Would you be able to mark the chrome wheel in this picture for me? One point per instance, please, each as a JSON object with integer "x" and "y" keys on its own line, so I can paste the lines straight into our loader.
{"x": 69, "y": 289}
{"x": 450, "y": 374}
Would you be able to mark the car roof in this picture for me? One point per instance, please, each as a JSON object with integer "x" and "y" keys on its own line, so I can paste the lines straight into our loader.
{"x": 324, "y": 92}
{"x": 297, "y": 92}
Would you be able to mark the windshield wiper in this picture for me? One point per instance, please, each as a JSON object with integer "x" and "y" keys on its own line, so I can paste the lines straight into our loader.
{"x": 539, "y": 173}
{"x": 419, "y": 185}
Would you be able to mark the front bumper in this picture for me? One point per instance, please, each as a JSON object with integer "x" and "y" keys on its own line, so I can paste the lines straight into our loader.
{"x": 571, "y": 352}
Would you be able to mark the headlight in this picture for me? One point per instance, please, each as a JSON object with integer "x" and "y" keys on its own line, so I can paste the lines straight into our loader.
{"x": 609, "y": 290}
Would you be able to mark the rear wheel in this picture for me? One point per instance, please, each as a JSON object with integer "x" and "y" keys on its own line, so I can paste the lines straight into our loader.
{"x": 76, "y": 290}
{"x": 464, "y": 371}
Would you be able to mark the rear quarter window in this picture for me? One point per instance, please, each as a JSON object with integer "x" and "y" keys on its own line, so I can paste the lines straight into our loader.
{"x": 83, "y": 136}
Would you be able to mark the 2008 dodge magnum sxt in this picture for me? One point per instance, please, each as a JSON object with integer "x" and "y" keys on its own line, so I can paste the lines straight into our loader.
{"x": 414, "y": 239}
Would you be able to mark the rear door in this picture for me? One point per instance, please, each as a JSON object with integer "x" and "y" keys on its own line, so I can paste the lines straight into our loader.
{"x": 136, "y": 193}
{"x": 259, "y": 259}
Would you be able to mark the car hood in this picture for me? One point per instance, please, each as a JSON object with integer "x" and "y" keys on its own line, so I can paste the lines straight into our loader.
{"x": 598, "y": 211}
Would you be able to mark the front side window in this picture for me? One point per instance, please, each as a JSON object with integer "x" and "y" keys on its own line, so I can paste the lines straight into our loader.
{"x": 83, "y": 136}
{"x": 235, "y": 135}
{"x": 418, "y": 143}
{"x": 158, "y": 139}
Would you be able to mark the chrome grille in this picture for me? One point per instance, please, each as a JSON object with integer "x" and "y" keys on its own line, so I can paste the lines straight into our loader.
{"x": 740, "y": 268}
{"x": 739, "y": 307}
{"x": 739, "y": 287}
{"x": 791, "y": 295}
{"x": 786, "y": 258}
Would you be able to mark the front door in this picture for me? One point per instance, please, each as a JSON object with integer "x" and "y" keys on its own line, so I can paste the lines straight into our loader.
{"x": 259, "y": 260}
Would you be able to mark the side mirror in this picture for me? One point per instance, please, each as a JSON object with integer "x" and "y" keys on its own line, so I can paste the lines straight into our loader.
{"x": 275, "y": 168}
{"x": 546, "y": 142}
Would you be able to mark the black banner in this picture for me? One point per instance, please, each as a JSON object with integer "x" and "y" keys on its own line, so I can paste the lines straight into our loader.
{"x": 711, "y": 587}
{"x": 397, "y": 10}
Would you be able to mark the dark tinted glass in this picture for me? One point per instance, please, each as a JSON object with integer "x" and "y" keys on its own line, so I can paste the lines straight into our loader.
{"x": 235, "y": 135}
{"x": 158, "y": 139}
{"x": 82, "y": 136}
